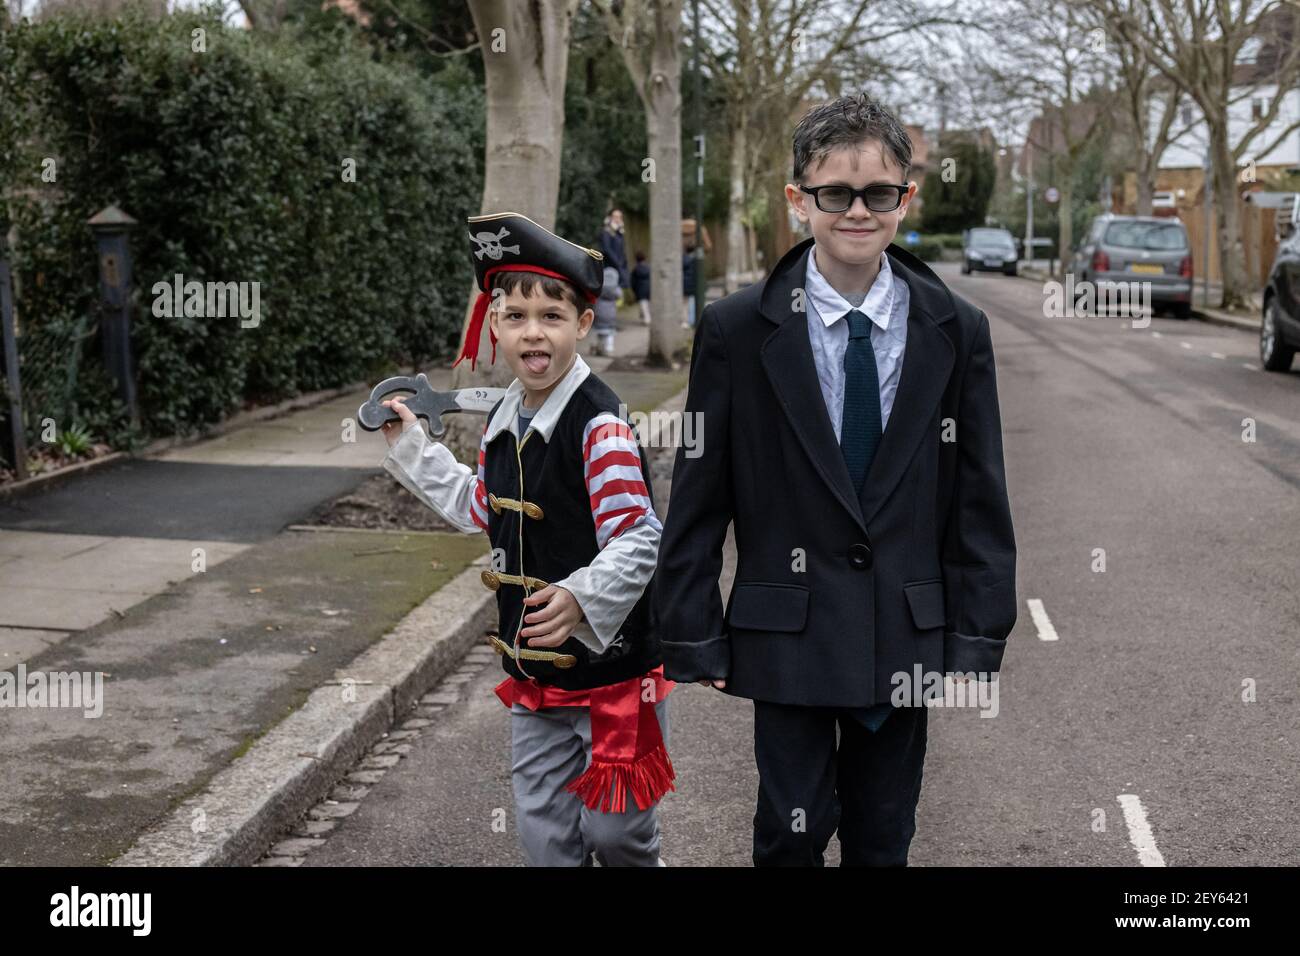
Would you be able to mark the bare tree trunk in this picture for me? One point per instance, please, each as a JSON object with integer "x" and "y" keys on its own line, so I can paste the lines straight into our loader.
{"x": 263, "y": 14}
{"x": 663, "y": 103}
{"x": 1146, "y": 182}
{"x": 525, "y": 59}
{"x": 1232, "y": 257}
{"x": 1065, "y": 220}
{"x": 737, "y": 243}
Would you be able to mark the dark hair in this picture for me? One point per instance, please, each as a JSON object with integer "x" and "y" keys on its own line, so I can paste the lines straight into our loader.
{"x": 640, "y": 256}
{"x": 526, "y": 282}
{"x": 848, "y": 121}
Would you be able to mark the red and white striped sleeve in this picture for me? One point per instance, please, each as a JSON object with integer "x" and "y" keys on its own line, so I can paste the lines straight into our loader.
{"x": 478, "y": 505}
{"x": 615, "y": 483}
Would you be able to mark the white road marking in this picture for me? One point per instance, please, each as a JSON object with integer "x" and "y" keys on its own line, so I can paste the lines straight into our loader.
{"x": 1186, "y": 345}
{"x": 1041, "y": 621}
{"x": 1249, "y": 366}
{"x": 1156, "y": 335}
{"x": 1139, "y": 831}
{"x": 1218, "y": 355}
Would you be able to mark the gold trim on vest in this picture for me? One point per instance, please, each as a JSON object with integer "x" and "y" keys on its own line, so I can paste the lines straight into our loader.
{"x": 529, "y": 508}
{"x": 492, "y": 580}
{"x": 562, "y": 661}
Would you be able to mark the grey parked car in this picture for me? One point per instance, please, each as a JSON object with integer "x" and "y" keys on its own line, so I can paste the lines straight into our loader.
{"x": 1140, "y": 249}
{"x": 988, "y": 250}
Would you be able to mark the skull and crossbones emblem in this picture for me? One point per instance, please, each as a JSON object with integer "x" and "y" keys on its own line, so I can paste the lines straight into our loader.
{"x": 490, "y": 245}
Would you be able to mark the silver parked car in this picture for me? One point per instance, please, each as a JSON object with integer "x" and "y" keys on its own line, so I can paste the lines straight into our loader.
{"x": 1140, "y": 249}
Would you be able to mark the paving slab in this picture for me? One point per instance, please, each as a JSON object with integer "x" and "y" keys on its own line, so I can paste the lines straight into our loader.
{"x": 195, "y": 675}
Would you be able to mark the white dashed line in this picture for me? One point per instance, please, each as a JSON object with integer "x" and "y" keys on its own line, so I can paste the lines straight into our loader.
{"x": 1156, "y": 335}
{"x": 1186, "y": 345}
{"x": 1249, "y": 366}
{"x": 1041, "y": 621}
{"x": 1218, "y": 355}
{"x": 1139, "y": 831}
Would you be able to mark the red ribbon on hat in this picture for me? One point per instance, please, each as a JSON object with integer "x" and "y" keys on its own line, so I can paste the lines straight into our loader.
{"x": 470, "y": 349}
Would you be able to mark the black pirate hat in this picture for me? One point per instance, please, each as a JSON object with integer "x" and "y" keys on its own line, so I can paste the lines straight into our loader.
{"x": 510, "y": 242}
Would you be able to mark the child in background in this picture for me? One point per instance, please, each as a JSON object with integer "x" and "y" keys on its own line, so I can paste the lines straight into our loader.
{"x": 641, "y": 286}
{"x": 606, "y": 307}
{"x": 689, "y": 265}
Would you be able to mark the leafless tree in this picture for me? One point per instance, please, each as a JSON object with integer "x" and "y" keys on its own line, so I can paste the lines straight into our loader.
{"x": 768, "y": 56}
{"x": 1197, "y": 46}
{"x": 525, "y": 60}
{"x": 1050, "y": 62}
{"x": 1143, "y": 92}
{"x": 648, "y": 33}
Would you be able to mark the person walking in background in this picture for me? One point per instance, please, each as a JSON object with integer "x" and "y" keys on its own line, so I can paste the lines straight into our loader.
{"x": 606, "y": 308}
{"x": 689, "y": 265}
{"x": 641, "y": 286}
{"x": 613, "y": 247}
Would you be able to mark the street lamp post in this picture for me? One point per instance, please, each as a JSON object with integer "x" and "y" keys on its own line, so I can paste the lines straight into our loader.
{"x": 1029, "y": 205}
{"x": 1205, "y": 244}
{"x": 15, "y": 440}
{"x": 112, "y": 228}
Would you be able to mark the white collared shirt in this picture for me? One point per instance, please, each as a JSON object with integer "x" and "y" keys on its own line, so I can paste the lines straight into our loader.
{"x": 887, "y": 304}
{"x": 506, "y": 418}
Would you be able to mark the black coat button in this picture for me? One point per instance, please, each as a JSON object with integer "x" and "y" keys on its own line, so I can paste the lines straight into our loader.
{"x": 860, "y": 556}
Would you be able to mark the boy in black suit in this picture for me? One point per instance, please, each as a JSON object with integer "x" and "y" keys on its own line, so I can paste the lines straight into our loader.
{"x": 851, "y": 431}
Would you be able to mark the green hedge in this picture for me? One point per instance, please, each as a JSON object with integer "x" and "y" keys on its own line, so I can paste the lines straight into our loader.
{"x": 231, "y": 160}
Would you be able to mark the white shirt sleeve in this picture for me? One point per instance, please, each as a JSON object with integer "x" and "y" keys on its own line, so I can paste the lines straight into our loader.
{"x": 608, "y": 588}
{"x": 627, "y": 530}
{"x": 428, "y": 470}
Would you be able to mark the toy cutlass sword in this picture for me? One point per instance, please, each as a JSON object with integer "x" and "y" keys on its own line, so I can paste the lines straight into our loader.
{"x": 424, "y": 403}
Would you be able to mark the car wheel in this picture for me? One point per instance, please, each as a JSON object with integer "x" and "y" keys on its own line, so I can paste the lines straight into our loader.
{"x": 1009, "y": 270}
{"x": 1182, "y": 310}
{"x": 965, "y": 268}
{"x": 1274, "y": 354}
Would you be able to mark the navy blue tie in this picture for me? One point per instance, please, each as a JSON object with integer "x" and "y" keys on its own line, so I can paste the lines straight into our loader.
{"x": 860, "y": 427}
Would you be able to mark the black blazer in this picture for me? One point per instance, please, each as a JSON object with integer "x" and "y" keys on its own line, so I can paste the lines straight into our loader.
{"x": 834, "y": 595}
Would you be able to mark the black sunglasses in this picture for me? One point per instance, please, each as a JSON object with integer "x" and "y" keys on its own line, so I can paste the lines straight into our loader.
{"x": 879, "y": 197}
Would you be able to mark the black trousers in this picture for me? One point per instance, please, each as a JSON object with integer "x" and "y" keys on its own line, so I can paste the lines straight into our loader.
{"x": 866, "y": 788}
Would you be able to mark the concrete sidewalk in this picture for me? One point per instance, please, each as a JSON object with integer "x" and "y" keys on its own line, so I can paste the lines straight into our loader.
{"x": 91, "y": 547}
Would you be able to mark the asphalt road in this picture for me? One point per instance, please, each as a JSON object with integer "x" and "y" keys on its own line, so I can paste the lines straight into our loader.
{"x": 1172, "y": 683}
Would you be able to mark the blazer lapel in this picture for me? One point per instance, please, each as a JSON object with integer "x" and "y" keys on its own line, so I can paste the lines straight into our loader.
{"x": 787, "y": 358}
{"x": 927, "y": 363}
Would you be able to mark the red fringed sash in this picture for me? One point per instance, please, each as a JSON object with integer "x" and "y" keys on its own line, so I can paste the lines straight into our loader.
{"x": 628, "y": 754}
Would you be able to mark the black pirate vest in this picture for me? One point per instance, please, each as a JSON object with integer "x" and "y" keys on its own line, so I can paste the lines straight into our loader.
{"x": 542, "y": 530}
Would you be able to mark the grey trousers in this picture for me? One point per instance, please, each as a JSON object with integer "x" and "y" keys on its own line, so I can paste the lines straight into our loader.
{"x": 549, "y": 747}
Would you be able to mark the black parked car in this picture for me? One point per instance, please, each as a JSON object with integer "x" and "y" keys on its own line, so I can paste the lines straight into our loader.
{"x": 1279, "y": 333}
{"x": 988, "y": 250}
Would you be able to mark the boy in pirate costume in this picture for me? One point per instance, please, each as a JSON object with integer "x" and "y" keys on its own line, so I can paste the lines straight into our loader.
{"x": 563, "y": 492}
